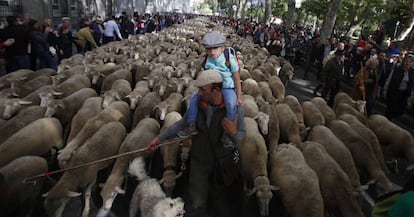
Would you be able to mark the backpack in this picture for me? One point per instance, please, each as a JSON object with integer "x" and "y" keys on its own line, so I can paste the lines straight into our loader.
{"x": 227, "y": 52}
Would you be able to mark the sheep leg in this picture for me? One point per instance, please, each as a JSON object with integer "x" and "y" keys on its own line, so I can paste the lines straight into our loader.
{"x": 88, "y": 194}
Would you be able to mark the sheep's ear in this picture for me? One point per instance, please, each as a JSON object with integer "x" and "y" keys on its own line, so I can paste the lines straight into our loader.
{"x": 24, "y": 102}
{"x": 73, "y": 194}
{"x": 118, "y": 97}
{"x": 411, "y": 167}
{"x": 57, "y": 93}
{"x": 274, "y": 188}
{"x": 101, "y": 185}
{"x": 127, "y": 96}
{"x": 45, "y": 194}
{"x": 119, "y": 190}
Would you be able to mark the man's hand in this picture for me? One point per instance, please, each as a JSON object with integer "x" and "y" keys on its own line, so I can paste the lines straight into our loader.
{"x": 9, "y": 42}
{"x": 153, "y": 145}
{"x": 230, "y": 128}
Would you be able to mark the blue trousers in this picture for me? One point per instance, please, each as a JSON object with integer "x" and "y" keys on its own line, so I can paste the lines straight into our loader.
{"x": 15, "y": 63}
{"x": 230, "y": 102}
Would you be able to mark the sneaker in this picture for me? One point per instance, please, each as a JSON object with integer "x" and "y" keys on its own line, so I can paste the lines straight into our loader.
{"x": 187, "y": 132}
{"x": 227, "y": 142}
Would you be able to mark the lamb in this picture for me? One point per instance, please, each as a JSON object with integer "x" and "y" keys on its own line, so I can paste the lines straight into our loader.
{"x": 20, "y": 195}
{"x": 12, "y": 106}
{"x": 272, "y": 137}
{"x": 161, "y": 87}
{"x": 250, "y": 87}
{"x": 294, "y": 104}
{"x": 104, "y": 143}
{"x": 288, "y": 124}
{"x": 146, "y": 107}
{"x": 368, "y": 136}
{"x": 172, "y": 103}
{"x": 323, "y": 107}
{"x": 169, "y": 154}
{"x": 118, "y": 74}
{"x": 66, "y": 108}
{"x": 91, "y": 126}
{"x": 148, "y": 196}
{"x": 338, "y": 151}
{"x": 342, "y": 97}
{"x": 22, "y": 119}
{"x": 36, "y": 138}
{"x": 73, "y": 84}
{"x": 313, "y": 116}
{"x": 19, "y": 74}
{"x": 21, "y": 89}
{"x": 299, "y": 184}
{"x": 252, "y": 110}
{"x": 267, "y": 92}
{"x": 140, "y": 90}
{"x": 253, "y": 156}
{"x": 399, "y": 140}
{"x": 138, "y": 138}
{"x": 119, "y": 90}
{"x": 362, "y": 154}
{"x": 277, "y": 87}
{"x": 286, "y": 72}
{"x": 90, "y": 108}
{"x": 343, "y": 108}
{"x": 336, "y": 189}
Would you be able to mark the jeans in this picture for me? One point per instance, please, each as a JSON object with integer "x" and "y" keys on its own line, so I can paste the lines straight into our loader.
{"x": 17, "y": 62}
{"x": 46, "y": 60}
{"x": 230, "y": 102}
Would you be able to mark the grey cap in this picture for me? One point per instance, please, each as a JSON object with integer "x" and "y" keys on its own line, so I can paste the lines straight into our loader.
{"x": 213, "y": 39}
{"x": 208, "y": 77}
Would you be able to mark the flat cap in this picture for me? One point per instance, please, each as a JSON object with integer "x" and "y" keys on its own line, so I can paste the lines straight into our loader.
{"x": 213, "y": 39}
{"x": 208, "y": 77}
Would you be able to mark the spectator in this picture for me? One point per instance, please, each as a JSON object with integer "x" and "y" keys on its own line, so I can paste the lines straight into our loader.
{"x": 398, "y": 87}
{"x": 384, "y": 69}
{"x": 332, "y": 72}
{"x": 84, "y": 39}
{"x": 207, "y": 157}
{"x": 40, "y": 45}
{"x": 65, "y": 39}
{"x": 365, "y": 84}
{"x": 127, "y": 27}
{"x": 16, "y": 55}
{"x": 98, "y": 30}
{"x": 111, "y": 31}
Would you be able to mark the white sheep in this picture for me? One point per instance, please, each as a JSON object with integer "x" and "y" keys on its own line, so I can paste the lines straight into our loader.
{"x": 399, "y": 140}
{"x": 148, "y": 196}
{"x": 22, "y": 119}
{"x": 104, "y": 143}
{"x": 362, "y": 154}
{"x": 253, "y": 156}
{"x": 338, "y": 151}
{"x": 138, "y": 138}
{"x": 336, "y": 189}
{"x": 20, "y": 195}
{"x": 299, "y": 184}
{"x": 36, "y": 138}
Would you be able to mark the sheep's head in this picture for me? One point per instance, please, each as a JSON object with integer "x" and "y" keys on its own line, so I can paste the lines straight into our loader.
{"x": 169, "y": 207}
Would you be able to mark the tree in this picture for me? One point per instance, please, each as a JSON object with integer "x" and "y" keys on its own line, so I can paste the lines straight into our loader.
{"x": 268, "y": 11}
{"x": 290, "y": 13}
{"x": 330, "y": 18}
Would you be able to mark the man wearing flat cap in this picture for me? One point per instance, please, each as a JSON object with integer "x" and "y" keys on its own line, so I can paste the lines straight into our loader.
{"x": 208, "y": 153}
{"x": 333, "y": 73}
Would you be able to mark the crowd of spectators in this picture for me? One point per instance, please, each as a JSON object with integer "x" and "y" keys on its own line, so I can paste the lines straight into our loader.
{"x": 31, "y": 44}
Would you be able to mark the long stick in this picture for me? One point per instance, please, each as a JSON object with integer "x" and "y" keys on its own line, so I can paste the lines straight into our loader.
{"x": 47, "y": 174}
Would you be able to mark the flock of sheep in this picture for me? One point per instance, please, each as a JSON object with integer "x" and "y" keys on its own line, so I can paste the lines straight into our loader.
{"x": 116, "y": 98}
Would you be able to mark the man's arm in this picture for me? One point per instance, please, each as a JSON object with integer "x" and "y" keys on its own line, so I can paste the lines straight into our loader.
{"x": 237, "y": 128}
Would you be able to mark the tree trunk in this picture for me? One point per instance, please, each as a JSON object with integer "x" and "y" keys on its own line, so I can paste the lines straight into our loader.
{"x": 407, "y": 36}
{"x": 109, "y": 7}
{"x": 243, "y": 10}
{"x": 353, "y": 28}
{"x": 290, "y": 13}
{"x": 100, "y": 8}
{"x": 330, "y": 19}
{"x": 268, "y": 12}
